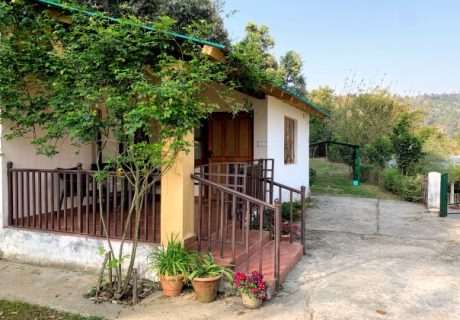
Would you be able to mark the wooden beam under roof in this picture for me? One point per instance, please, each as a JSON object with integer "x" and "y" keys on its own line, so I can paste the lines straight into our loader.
{"x": 213, "y": 52}
{"x": 56, "y": 15}
{"x": 292, "y": 100}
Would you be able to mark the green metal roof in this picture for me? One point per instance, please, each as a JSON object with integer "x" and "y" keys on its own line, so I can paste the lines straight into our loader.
{"x": 99, "y": 15}
{"x": 301, "y": 97}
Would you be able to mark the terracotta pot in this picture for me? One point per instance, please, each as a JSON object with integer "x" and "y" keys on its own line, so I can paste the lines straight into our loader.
{"x": 251, "y": 303}
{"x": 206, "y": 288}
{"x": 285, "y": 237}
{"x": 172, "y": 286}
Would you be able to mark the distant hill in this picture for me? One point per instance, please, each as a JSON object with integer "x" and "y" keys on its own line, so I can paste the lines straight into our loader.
{"x": 443, "y": 111}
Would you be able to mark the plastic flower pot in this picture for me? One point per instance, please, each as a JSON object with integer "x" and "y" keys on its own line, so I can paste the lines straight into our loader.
{"x": 206, "y": 288}
{"x": 171, "y": 285}
{"x": 250, "y": 302}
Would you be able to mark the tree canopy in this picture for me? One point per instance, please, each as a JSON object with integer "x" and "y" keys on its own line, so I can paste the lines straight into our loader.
{"x": 185, "y": 12}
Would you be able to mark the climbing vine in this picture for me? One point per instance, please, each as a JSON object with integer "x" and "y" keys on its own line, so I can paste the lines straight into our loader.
{"x": 115, "y": 84}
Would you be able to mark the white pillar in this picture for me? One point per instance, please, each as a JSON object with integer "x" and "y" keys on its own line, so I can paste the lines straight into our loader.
{"x": 434, "y": 190}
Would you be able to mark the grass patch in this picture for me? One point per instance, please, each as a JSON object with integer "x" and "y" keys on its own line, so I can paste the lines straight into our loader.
{"x": 17, "y": 310}
{"x": 334, "y": 178}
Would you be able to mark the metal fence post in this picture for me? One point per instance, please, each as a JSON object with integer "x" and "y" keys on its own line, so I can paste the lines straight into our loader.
{"x": 9, "y": 166}
{"x": 302, "y": 216}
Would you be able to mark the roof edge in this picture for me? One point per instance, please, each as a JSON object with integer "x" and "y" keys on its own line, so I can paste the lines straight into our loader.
{"x": 102, "y": 16}
{"x": 302, "y": 98}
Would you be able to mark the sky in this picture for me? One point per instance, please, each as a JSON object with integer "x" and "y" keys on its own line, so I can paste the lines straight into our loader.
{"x": 411, "y": 46}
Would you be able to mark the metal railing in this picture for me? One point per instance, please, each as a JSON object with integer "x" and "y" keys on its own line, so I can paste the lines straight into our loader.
{"x": 227, "y": 216}
{"x": 73, "y": 201}
{"x": 238, "y": 198}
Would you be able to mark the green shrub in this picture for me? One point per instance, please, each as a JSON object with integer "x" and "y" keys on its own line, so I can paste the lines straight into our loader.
{"x": 410, "y": 188}
{"x": 391, "y": 180}
{"x": 286, "y": 210}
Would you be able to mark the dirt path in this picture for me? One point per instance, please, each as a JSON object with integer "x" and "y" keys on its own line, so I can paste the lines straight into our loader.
{"x": 367, "y": 259}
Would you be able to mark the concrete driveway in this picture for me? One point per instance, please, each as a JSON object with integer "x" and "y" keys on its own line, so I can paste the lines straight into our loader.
{"x": 367, "y": 259}
{"x": 378, "y": 259}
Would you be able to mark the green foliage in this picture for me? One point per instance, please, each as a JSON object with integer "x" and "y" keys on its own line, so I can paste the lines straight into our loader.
{"x": 338, "y": 153}
{"x": 205, "y": 267}
{"x": 441, "y": 110}
{"x": 113, "y": 83}
{"x": 185, "y": 12}
{"x": 286, "y": 210}
{"x": 312, "y": 179}
{"x": 334, "y": 178}
{"x": 410, "y": 188}
{"x": 430, "y": 162}
{"x": 366, "y": 171}
{"x": 407, "y": 146}
{"x": 173, "y": 260}
{"x": 290, "y": 70}
{"x": 379, "y": 152}
{"x": 322, "y": 129}
{"x": 363, "y": 117}
{"x": 257, "y": 43}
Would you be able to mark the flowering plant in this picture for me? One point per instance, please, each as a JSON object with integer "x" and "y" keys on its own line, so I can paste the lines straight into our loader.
{"x": 251, "y": 284}
{"x": 286, "y": 229}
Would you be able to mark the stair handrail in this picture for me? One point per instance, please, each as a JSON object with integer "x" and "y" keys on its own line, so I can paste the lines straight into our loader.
{"x": 262, "y": 204}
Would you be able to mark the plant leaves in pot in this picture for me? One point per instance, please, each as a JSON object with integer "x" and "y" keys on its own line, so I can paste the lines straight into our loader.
{"x": 205, "y": 276}
{"x": 171, "y": 263}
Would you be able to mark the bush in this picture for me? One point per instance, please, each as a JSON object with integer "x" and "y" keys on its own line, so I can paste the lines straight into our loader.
{"x": 312, "y": 176}
{"x": 286, "y": 210}
{"x": 410, "y": 188}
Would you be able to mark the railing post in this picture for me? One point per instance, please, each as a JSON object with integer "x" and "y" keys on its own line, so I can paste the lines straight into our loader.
{"x": 302, "y": 216}
{"x": 9, "y": 166}
{"x": 79, "y": 198}
{"x": 277, "y": 242}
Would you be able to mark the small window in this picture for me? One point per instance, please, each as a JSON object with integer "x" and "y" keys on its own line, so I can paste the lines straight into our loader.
{"x": 289, "y": 141}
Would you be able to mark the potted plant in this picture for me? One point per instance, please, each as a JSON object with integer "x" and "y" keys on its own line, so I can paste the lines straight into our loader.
{"x": 205, "y": 276}
{"x": 286, "y": 231}
{"x": 252, "y": 287}
{"x": 172, "y": 266}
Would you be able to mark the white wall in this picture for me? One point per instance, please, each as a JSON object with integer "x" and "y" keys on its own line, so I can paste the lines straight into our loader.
{"x": 23, "y": 154}
{"x": 260, "y": 129}
{"x": 296, "y": 174}
{"x": 75, "y": 251}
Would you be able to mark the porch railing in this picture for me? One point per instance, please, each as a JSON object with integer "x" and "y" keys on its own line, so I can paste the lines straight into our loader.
{"x": 73, "y": 201}
{"x": 236, "y": 199}
{"x": 228, "y": 216}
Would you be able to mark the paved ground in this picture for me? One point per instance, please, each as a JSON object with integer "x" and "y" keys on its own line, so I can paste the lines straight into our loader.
{"x": 367, "y": 259}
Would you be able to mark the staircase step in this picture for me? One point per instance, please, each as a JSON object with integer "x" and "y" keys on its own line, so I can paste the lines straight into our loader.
{"x": 240, "y": 248}
{"x": 291, "y": 253}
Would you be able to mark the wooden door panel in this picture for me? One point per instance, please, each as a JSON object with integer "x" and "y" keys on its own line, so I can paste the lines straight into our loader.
{"x": 230, "y": 137}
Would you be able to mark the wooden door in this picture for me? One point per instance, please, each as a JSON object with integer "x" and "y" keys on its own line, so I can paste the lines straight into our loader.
{"x": 230, "y": 137}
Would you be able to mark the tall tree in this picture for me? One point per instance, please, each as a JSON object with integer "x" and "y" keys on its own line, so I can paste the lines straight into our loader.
{"x": 290, "y": 71}
{"x": 322, "y": 129}
{"x": 258, "y": 42}
{"x": 406, "y": 145}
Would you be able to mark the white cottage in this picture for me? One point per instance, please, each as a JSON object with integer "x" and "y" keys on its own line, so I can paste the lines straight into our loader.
{"x": 221, "y": 197}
